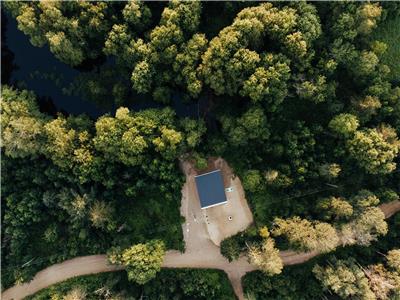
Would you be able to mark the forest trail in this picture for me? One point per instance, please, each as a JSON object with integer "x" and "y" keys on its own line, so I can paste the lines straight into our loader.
{"x": 200, "y": 253}
{"x": 389, "y": 209}
{"x": 78, "y": 266}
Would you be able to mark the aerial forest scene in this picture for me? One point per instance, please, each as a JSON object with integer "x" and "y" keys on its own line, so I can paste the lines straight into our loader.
{"x": 200, "y": 150}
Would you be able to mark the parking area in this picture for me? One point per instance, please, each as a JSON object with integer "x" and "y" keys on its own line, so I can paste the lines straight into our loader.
{"x": 228, "y": 219}
{"x": 221, "y": 221}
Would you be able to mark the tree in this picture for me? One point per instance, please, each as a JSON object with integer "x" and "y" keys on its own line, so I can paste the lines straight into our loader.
{"x": 364, "y": 199}
{"x": 335, "y": 208}
{"x": 142, "y": 261}
{"x": 265, "y": 256}
{"x": 230, "y": 248}
{"x": 21, "y": 124}
{"x": 329, "y": 171}
{"x": 127, "y": 136}
{"x": 304, "y": 235}
{"x": 344, "y": 124}
{"x": 393, "y": 259}
{"x": 187, "y": 62}
{"x": 56, "y": 217}
{"x": 348, "y": 279}
{"x": 75, "y": 31}
{"x": 366, "y": 64}
{"x": 136, "y": 14}
{"x": 375, "y": 149}
{"x": 345, "y": 278}
{"x": 22, "y": 137}
{"x": 268, "y": 84}
{"x": 366, "y": 228}
{"x": 230, "y": 65}
{"x": 101, "y": 215}
{"x": 63, "y": 48}
{"x": 368, "y": 14}
{"x": 194, "y": 130}
{"x": 168, "y": 142}
{"x": 252, "y": 180}
{"x": 61, "y": 141}
{"x": 169, "y": 56}
{"x": 251, "y": 126}
{"x": 75, "y": 294}
{"x": 367, "y": 107}
{"x": 314, "y": 90}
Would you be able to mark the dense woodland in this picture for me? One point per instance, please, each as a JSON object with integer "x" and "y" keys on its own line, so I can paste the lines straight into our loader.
{"x": 302, "y": 100}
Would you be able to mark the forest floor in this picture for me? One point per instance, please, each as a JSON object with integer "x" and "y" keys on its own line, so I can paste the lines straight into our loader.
{"x": 200, "y": 252}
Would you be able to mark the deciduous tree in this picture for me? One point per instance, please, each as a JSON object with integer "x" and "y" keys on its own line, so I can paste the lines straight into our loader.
{"x": 142, "y": 261}
{"x": 265, "y": 256}
{"x": 375, "y": 149}
{"x": 304, "y": 235}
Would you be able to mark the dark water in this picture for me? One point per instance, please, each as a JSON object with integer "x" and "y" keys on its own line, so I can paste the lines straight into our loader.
{"x": 35, "y": 65}
{"x": 37, "y": 69}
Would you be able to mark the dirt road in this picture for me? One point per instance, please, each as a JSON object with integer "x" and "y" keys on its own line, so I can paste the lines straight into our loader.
{"x": 389, "y": 209}
{"x": 84, "y": 265}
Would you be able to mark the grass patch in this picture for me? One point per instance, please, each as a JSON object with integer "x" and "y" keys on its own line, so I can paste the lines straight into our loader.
{"x": 389, "y": 33}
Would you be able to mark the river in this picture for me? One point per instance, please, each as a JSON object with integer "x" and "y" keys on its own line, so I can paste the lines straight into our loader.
{"x": 36, "y": 69}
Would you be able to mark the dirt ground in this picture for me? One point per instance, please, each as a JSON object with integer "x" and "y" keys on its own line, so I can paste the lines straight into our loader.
{"x": 389, "y": 209}
{"x": 228, "y": 219}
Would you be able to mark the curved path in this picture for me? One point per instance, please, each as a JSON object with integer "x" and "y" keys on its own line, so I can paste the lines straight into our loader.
{"x": 86, "y": 265}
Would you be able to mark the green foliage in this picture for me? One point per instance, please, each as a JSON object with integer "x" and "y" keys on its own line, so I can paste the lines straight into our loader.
{"x": 169, "y": 283}
{"x": 251, "y": 126}
{"x": 136, "y": 14}
{"x": 375, "y": 149}
{"x": 295, "y": 282}
{"x": 347, "y": 279}
{"x": 335, "y": 208}
{"x": 344, "y": 124}
{"x": 252, "y": 180}
{"x": 367, "y": 107}
{"x": 393, "y": 259}
{"x": 90, "y": 185}
{"x": 200, "y": 162}
{"x": 186, "y": 63}
{"x": 267, "y": 83}
{"x": 230, "y": 65}
{"x": 74, "y": 31}
{"x": 291, "y": 282}
{"x": 102, "y": 215}
{"x": 21, "y": 124}
{"x": 365, "y": 228}
{"x": 329, "y": 171}
{"x": 231, "y": 248}
{"x": 272, "y": 83}
{"x": 389, "y": 33}
{"x": 304, "y": 235}
{"x": 141, "y": 261}
{"x": 364, "y": 199}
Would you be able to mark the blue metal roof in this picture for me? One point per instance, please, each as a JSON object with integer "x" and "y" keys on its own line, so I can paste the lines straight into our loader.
{"x": 210, "y": 188}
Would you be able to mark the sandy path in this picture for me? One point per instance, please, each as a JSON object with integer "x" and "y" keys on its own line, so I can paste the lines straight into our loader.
{"x": 200, "y": 252}
{"x": 83, "y": 265}
{"x": 389, "y": 209}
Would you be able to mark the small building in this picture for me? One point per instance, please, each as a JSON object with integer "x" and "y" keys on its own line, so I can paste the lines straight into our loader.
{"x": 210, "y": 188}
